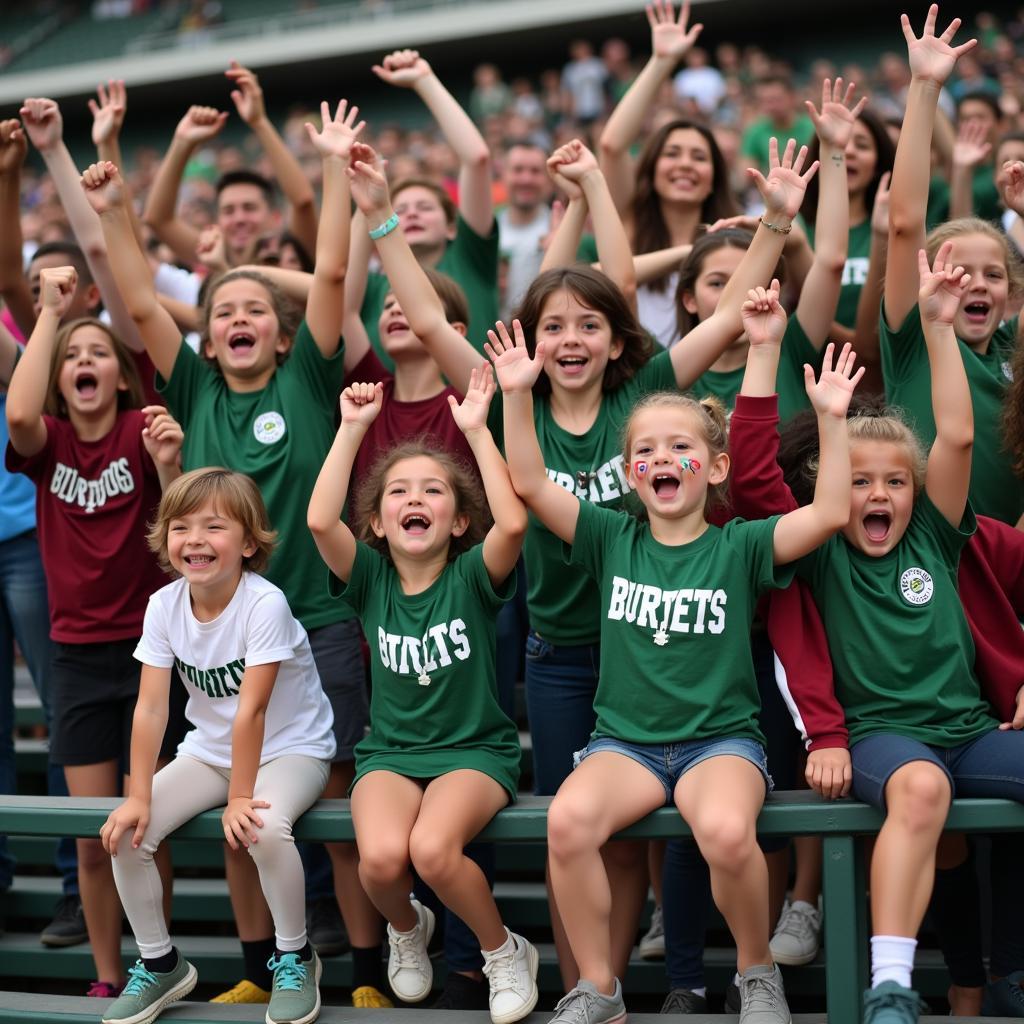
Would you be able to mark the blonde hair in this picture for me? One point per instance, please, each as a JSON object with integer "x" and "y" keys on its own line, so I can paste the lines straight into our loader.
{"x": 954, "y": 229}
{"x": 234, "y": 495}
{"x": 714, "y": 428}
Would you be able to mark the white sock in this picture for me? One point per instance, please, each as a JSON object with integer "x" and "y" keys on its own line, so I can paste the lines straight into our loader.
{"x": 702, "y": 991}
{"x": 506, "y": 947}
{"x": 736, "y": 979}
{"x": 892, "y": 959}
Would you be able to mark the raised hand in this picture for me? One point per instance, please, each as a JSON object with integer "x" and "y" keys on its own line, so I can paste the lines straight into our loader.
{"x": 403, "y": 68}
{"x": 880, "y": 208}
{"x": 366, "y": 178}
{"x": 103, "y": 186}
{"x": 247, "y": 94}
{"x": 932, "y": 57}
{"x": 338, "y": 133}
{"x": 56, "y": 288}
{"x": 471, "y": 413}
{"x": 13, "y": 146}
{"x": 669, "y": 36}
{"x": 1009, "y": 181}
{"x": 361, "y": 404}
{"x": 210, "y": 249}
{"x": 43, "y": 123}
{"x": 783, "y": 190}
{"x": 942, "y": 286}
{"x": 200, "y": 124}
{"x": 569, "y": 165}
{"x": 972, "y": 145}
{"x": 512, "y": 363}
{"x": 764, "y": 320}
{"x": 831, "y": 394}
{"x": 162, "y": 435}
{"x": 108, "y": 114}
{"x": 834, "y": 122}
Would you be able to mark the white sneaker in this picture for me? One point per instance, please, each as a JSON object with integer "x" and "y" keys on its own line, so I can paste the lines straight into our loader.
{"x": 652, "y": 944}
{"x": 797, "y": 935}
{"x": 511, "y": 973}
{"x": 409, "y": 969}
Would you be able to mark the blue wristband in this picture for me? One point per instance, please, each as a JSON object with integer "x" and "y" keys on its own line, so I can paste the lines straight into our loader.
{"x": 386, "y": 228}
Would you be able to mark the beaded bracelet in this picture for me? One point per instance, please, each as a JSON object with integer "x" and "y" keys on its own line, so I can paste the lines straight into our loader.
{"x": 771, "y": 227}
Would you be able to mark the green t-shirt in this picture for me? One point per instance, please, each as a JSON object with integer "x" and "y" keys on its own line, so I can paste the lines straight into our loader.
{"x": 563, "y": 603}
{"x": 754, "y": 143}
{"x": 995, "y": 490}
{"x": 434, "y": 706}
{"x": 985, "y": 197}
{"x": 796, "y": 350}
{"x": 902, "y": 653}
{"x": 855, "y": 271}
{"x": 471, "y": 260}
{"x": 280, "y": 437}
{"x": 675, "y": 626}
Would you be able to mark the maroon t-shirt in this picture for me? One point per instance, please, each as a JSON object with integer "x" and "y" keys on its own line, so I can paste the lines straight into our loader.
{"x": 93, "y": 501}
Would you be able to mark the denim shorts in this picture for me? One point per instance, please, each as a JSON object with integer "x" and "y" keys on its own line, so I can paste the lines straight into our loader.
{"x": 669, "y": 762}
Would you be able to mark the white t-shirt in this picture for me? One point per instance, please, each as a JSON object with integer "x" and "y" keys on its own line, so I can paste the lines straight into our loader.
{"x": 521, "y": 243}
{"x": 256, "y": 628}
{"x": 656, "y": 311}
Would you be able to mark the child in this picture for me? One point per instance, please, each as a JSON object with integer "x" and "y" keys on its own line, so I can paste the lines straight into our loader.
{"x": 98, "y": 460}
{"x": 262, "y": 742}
{"x": 675, "y": 457}
{"x": 441, "y": 757}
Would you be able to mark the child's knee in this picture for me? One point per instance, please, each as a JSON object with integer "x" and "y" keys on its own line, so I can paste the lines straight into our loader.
{"x": 383, "y": 861}
{"x": 435, "y": 857}
{"x": 918, "y": 796}
{"x": 92, "y": 856}
{"x": 275, "y": 836}
{"x": 726, "y": 839}
{"x": 574, "y": 826}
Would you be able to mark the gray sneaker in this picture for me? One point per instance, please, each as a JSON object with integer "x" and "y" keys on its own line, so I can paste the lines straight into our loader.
{"x": 797, "y": 935}
{"x": 762, "y": 998}
{"x": 585, "y": 1005}
{"x": 147, "y": 993}
{"x": 682, "y": 1000}
{"x": 296, "y": 995}
{"x": 652, "y": 943}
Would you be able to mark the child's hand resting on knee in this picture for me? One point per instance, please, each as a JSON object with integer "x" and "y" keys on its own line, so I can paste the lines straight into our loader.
{"x": 240, "y": 821}
{"x": 132, "y": 814}
{"x": 829, "y": 772}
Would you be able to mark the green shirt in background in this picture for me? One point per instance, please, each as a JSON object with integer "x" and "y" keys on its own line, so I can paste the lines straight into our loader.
{"x": 280, "y": 437}
{"x": 855, "y": 271}
{"x": 754, "y": 144}
{"x": 434, "y": 706}
{"x": 986, "y": 202}
{"x": 995, "y": 490}
{"x": 675, "y": 626}
{"x": 901, "y": 649}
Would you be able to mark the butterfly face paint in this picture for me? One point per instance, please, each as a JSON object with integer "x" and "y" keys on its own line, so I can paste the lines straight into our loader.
{"x": 689, "y": 464}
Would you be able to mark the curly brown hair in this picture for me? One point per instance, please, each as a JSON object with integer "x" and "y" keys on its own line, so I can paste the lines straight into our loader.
{"x": 1013, "y": 410}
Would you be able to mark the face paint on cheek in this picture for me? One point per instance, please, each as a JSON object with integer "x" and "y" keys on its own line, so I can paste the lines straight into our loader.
{"x": 689, "y": 464}
{"x": 640, "y": 468}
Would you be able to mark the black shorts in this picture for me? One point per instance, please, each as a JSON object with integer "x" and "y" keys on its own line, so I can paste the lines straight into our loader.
{"x": 94, "y": 688}
{"x": 338, "y": 652}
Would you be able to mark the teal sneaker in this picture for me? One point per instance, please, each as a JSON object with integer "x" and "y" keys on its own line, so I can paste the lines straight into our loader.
{"x": 146, "y": 994}
{"x": 295, "y": 998}
{"x": 891, "y": 1003}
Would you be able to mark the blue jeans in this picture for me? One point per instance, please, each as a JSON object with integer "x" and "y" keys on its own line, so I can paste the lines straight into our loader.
{"x": 25, "y": 617}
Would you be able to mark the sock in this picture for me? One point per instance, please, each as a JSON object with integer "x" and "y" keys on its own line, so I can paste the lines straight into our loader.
{"x": 256, "y": 954}
{"x": 702, "y": 991}
{"x": 506, "y": 947}
{"x": 161, "y": 964}
{"x": 367, "y": 967}
{"x": 736, "y": 979}
{"x": 305, "y": 954}
{"x": 892, "y": 959}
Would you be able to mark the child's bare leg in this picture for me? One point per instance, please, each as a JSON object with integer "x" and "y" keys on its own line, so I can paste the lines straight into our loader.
{"x": 626, "y": 865}
{"x": 385, "y": 806}
{"x": 720, "y": 798}
{"x": 455, "y": 807}
{"x": 252, "y": 915}
{"x": 604, "y": 794}
{"x": 807, "y": 884}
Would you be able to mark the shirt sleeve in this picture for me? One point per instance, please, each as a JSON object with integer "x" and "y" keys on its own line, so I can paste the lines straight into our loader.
{"x": 757, "y": 485}
{"x": 367, "y": 573}
{"x": 903, "y": 348}
{"x": 948, "y": 539}
{"x": 471, "y": 571}
{"x": 323, "y": 376}
{"x": 154, "y": 646}
{"x": 189, "y": 376}
{"x": 595, "y": 529}
{"x": 270, "y": 631}
{"x": 754, "y": 541}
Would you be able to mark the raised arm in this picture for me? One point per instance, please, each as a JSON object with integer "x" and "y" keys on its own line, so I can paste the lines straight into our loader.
{"x": 248, "y": 99}
{"x": 932, "y": 59}
{"x": 866, "y": 325}
{"x": 162, "y": 435}
{"x": 26, "y": 396}
{"x": 670, "y": 41}
{"x": 199, "y": 125}
{"x": 360, "y": 406}
{"x": 557, "y": 508}
{"x": 504, "y": 540}
{"x": 408, "y": 70}
{"x": 14, "y": 289}
{"x": 948, "y": 477}
{"x": 103, "y": 188}
{"x": 8, "y": 354}
{"x": 764, "y": 323}
{"x": 566, "y": 231}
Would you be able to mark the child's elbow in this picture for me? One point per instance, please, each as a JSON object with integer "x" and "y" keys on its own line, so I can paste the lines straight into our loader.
{"x": 317, "y": 522}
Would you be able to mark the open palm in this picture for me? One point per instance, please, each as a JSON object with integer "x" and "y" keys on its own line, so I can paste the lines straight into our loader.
{"x": 512, "y": 363}
{"x": 932, "y": 58}
{"x": 830, "y": 395}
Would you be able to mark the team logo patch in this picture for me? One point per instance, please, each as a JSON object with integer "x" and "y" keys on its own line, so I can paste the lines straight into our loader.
{"x": 916, "y": 586}
{"x": 1007, "y": 367}
{"x": 269, "y": 427}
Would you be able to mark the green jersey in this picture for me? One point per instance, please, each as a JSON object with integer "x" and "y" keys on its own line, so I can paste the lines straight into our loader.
{"x": 985, "y": 200}
{"x": 995, "y": 490}
{"x": 855, "y": 271}
{"x": 755, "y": 140}
{"x": 902, "y": 653}
{"x": 434, "y": 707}
{"x": 280, "y": 437}
{"x": 675, "y": 626}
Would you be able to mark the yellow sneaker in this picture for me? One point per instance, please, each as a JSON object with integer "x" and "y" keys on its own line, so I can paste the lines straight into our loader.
{"x": 366, "y": 997}
{"x": 243, "y": 992}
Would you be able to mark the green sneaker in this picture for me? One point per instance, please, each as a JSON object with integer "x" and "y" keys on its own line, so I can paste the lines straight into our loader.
{"x": 891, "y": 1003}
{"x": 146, "y": 993}
{"x": 296, "y": 995}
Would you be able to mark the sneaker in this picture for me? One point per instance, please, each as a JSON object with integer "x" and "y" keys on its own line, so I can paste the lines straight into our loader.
{"x": 296, "y": 995}
{"x": 243, "y": 992}
{"x": 410, "y": 972}
{"x": 652, "y": 943}
{"x": 731, "y": 1001}
{"x": 103, "y": 990}
{"x": 366, "y": 997}
{"x": 325, "y": 927}
{"x": 511, "y": 973}
{"x": 797, "y": 935}
{"x": 682, "y": 1000}
{"x": 891, "y": 1003}
{"x": 585, "y": 1005}
{"x": 147, "y": 993}
{"x": 462, "y": 993}
{"x": 1005, "y": 997}
{"x": 762, "y": 998}
{"x": 68, "y": 925}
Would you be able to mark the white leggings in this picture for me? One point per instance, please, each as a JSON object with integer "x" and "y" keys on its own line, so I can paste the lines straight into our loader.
{"x": 183, "y": 789}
